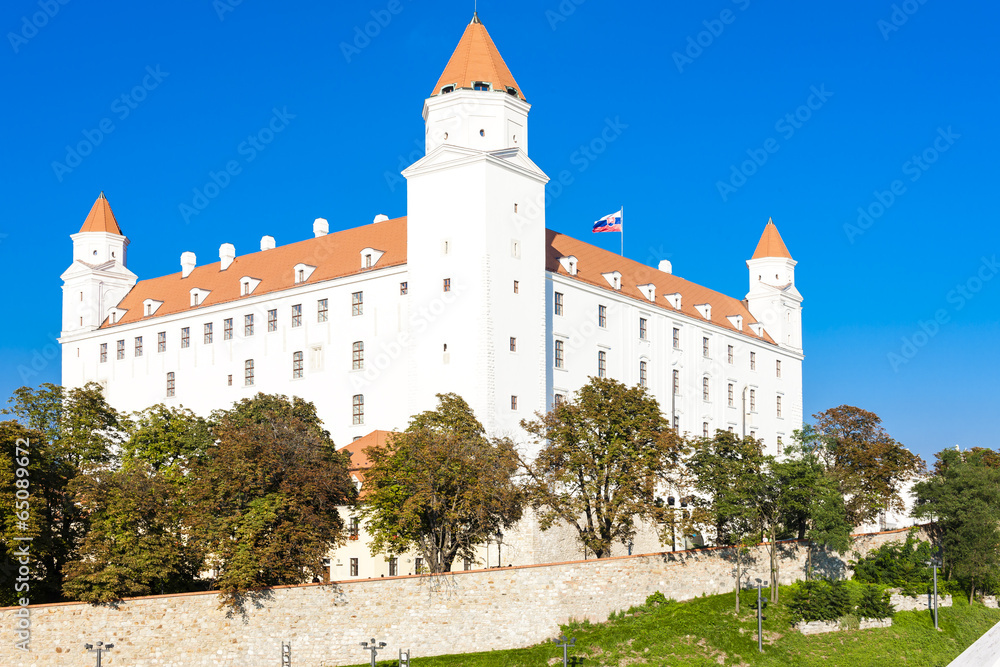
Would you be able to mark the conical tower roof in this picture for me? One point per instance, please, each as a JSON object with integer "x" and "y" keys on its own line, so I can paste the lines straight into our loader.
{"x": 101, "y": 219}
{"x": 770, "y": 244}
{"x": 476, "y": 58}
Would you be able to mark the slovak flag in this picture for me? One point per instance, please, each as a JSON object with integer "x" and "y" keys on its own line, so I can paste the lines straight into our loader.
{"x": 609, "y": 223}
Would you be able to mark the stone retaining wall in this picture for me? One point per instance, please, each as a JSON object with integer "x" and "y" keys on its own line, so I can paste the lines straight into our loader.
{"x": 821, "y": 627}
{"x": 918, "y": 603}
{"x": 431, "y": 614}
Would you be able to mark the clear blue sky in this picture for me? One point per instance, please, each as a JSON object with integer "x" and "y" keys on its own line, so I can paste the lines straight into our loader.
{"x": 896, "y": 88}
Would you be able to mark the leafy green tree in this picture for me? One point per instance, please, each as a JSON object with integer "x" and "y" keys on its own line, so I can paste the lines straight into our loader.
{"x": 603, "y": 456}
{"x": 962, "y": 499}
{"x": 898, "y": 564}
{"x": 870, "y": 467}
{"x": 266, "y": 495}
{"x": 440, "y": 487}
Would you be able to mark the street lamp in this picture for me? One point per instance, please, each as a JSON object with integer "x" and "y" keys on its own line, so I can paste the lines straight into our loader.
{"x": 934, "y": 564}
{"x": 98, "y": 648}
{"x": 760, "y": 617}
{"x": 564, "y": 645}
{"x": 499, "y": 538}
{"x": 372, "y": 646}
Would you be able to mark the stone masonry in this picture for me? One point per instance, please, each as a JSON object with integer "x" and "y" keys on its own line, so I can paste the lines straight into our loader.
{"x": 430, "y": 614}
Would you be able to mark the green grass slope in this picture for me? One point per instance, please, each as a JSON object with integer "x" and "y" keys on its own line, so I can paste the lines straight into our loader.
{"x": 706, "y": 632}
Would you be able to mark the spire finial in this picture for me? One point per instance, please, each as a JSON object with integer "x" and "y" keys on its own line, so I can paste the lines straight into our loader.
{"x": 475, "y": 17}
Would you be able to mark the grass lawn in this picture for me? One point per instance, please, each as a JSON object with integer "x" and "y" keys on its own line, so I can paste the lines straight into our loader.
{"x": 705, "y": 631}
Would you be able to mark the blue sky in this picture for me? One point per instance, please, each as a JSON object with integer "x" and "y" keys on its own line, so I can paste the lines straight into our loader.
{"x": 903, "y": 97}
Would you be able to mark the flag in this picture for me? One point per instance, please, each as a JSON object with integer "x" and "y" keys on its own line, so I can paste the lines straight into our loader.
{"x": 609, "y": 223}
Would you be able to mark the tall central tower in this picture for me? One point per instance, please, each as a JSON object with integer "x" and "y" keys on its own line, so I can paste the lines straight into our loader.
{"x": 476, "y": 244}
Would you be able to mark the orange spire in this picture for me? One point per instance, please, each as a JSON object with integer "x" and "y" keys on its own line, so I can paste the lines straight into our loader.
{"x": 770, "y": 244}
{"x": 476, "y": 58}
{"x": 101, "y": 219}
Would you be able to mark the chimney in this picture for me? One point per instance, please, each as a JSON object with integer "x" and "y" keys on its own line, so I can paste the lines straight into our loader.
{"x": 267, "y": 243}
{"x": 321, "y": 227}
{"x": 227, "y": 253}
{"x": 666, "y": 266}
{"x": 188, "y": 261}
{"x": 381, "y": 217}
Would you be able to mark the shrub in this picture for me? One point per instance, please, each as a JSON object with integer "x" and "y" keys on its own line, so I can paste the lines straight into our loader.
{"x": 818, "y": 600}
{"x": 901, "y": 565}
{"x": 874, "y": 603}
{"x": 656, "y": 599}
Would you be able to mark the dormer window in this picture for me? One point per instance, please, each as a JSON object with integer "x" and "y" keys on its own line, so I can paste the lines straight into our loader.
{"x": 511, "y": 90}
{"x": 569, "y": 263}
{"x": 248, "y": 284}
{"x": 198, "y": 296}
{"x": 370, "y": 258}
{"x": 368, "y": 261}
{"x": 149, "y": 306}
{"x": 614, "y": 279}
{"x": 149, "y": 309}
{"x": 301, "y": 278}
{"x": 450, "y": 88}
{"x": 481, "y": 85}
{"x": 246, "y": 289}
{"x": 302, "y": 272}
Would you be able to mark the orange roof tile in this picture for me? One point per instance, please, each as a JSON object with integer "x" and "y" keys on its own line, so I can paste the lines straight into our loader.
{"x": 334, "y": 256}
{"x": 593, "y": 261}
{"x": 770, "y": 244}
{"x": 359, "y": 460}
{"x": 476, "y": 58}
{"x": 101, "y": 219}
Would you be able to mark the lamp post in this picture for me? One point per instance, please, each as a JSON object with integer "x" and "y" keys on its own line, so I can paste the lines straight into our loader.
{"x": 564, "y": 645}
{"x": 934, "y": 564}
{"x": 372, "y": 646}
{"x": 98, "y": 648}
{"x": 760, "y": 618}
{"x": 499, "y": 538}
{"x": 673, "y": 535}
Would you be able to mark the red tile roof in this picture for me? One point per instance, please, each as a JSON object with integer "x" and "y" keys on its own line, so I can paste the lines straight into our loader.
{"x": 101, "y": 219}
{"x": 334, "y": 256}
{"x": 592, "y": 262}
{"x": 359, "y": 460}
{"x": 770, "y": 244}
{"x": 476, "y": 58}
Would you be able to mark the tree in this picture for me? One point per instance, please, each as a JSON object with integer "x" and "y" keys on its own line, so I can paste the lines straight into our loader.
{"x": 440, "y": 487}
{"x": 870, "y": 467}
{"x": 266, "y": 495}
{"x": 962, "y": 499}
{"x": 602, "y": 458}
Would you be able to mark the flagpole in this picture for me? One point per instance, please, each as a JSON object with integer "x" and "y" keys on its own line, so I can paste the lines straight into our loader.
{"x": 623, "y": 230}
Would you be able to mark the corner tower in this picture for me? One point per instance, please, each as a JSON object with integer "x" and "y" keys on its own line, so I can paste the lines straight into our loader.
{"x": 773, "y": 298}
{"x": 98, "y": 278}
{"x": 476, "y": 244}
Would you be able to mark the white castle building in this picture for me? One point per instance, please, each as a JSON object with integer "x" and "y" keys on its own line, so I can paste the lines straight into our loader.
{"x": 468, "y": 293}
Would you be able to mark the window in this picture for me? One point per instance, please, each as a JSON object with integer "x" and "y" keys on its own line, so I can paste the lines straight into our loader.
{"x": 195, "y": 298}
{"x": 186, "y": 337}
{"x": 297, "y": 364}
{"x": 230, "y": 380}
{"x": 559, "y": 399}
{"x": 602, "y": 364}
{"x": 560, "y": 360}
{"x": 732, "y": 430}
{"x": 358, "y": 355}
{"x": 104, "y": 352}
{"x": 227, "y": 329}
{"x": 513, "y": 344}
{"x": 322, "y": 310}
{"x": 753, "y": 361}
{"x": 161, "y": 341}
{"x": 516, "y": 285}
{"x": 248, "y": 373}
{"x": 208, "y": 333}
{"x": 515, "y": 207}
{"x": 513, "y": 402}
{"x": 467, "y": 565}
{"x": 170, "y": 384}
{"x": 777, "y": 367}
{"x": 753, "y": 434}
{"x": 246, "y": 289}
{"x": 677, "y": 382}
{"x": 781, "y": 447}
{"x": 297, "y": 315}
{"x": 138, "y": 346}
{"x": 403, "y": 289}
{"x": 418, "y": 565}
{"x": 358, "y": 409}
{"x": 368, "y": 260}
{"x": 357, "y": 303}
{"x": 602, "y": 316}
{"x": 730, "y": 353}
{"x": 301, "y": 277}
{"x": 677, "y": 423}
{"x": 704, "y": 429}
{"x": 642, "y": 328}
{"x": 778, "y": 405}
{"x": 355, "y": 527}
{"x": 272, "y": 320}
{"x": 354, "y": 567}
{"x": 248, "y": 325}
{"x": 120, "y": 349}
{"x": 447, "y": 284}
{"x": 731, "y": 397}
{"x": 753, "y": 400}
{"x": 677, "y": 338}
{"x": 704, "y": 389}
{"x": 642, "y": 373}
{"x": 393, "y": 567}
{"x": 559, "y": 303}
{"x": 704, "y": 347}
